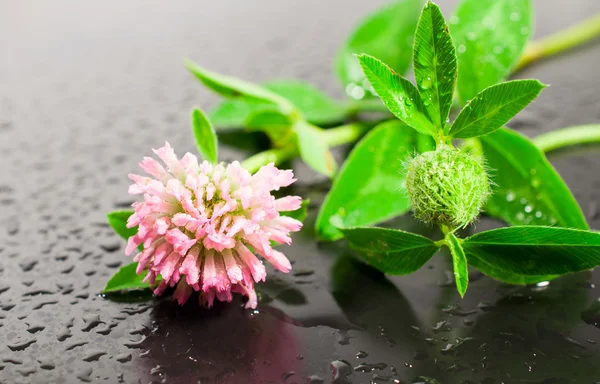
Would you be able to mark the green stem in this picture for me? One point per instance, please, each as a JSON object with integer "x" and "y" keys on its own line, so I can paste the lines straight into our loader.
{"x": 561, "y": 41}
{"x": 345, "y": 134}
{"x": 276, "y": 155}
{"x": 564, "y": 137}
{"x": 333, "y": 137}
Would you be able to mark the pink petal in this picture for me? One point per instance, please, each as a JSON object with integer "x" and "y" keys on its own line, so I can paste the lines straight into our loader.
{"x": 234, "y": 272}
{"x": 288, "y": 203}
{"x": 152, "y": 167}
{"x": 191, "y": 266}
{"x": 279, "y": 261}
{"x": 167, "y": 155}
{"x": 182, "y": 292}
{"x": 169, "y": 265}
{"x": 256, "y": 266}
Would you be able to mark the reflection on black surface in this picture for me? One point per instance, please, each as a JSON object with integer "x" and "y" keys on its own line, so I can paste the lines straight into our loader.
{"x": 226, "y": 344}
{"x": 529, "y": 335}
{"x": 534, "y": 334}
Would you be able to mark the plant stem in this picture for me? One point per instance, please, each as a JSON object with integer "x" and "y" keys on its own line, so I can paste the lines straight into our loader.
{"x": 276, "y": 155}
{"x": 345, "y": 134}
{"x": 341, "y": 135}
{"x": 561, "y": 41}
{"x": 564, "y": 137}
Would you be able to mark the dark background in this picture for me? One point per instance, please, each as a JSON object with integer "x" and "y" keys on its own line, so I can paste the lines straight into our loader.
{"x": 86, "y": 89}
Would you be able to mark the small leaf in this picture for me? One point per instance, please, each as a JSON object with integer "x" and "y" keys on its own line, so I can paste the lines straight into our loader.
{"x": 314, "y": 105}
{"x": 526, "y": 188}
{"x": 459, "y": 261}
{"x": 369, "y": 187}
{"x": 313, "y": 149}
{"x": 231, "y": 87}
{"x": 260, "y": 119}
{"x": 126, "y": 280}
{"x": 507, "y": 277}
{"x": 118, "y": 221}
{"x": 535, "y": 250}
{"x": 275, "y": 124}
{"x": 391, "y": 251}
{"x": 398, "y": 94}
{"x": 490, "y": 36}
{"x": 232, "y": 114}
{"x": 206, "y": 138}
{"x": 300, "y": 213}
{"x": 387, "y": 33}
{"x": 494, "y": 106}
{"x": 435, "y": 64}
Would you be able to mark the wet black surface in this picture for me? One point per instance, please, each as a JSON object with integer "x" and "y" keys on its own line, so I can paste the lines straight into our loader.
{"x": 87, "y": 89}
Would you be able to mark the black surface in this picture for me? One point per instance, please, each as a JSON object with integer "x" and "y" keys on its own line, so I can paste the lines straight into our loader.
{"x": 86, "y": 89}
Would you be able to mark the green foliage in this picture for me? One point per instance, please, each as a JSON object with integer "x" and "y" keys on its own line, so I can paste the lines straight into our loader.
{"x": 399, "y": 95}
{"x": 387, "y": 33}
{"x": 232, "y": 114}
{"x": 313, "y": 148}
{"x": 368, "y": 188}
{"x": 494, "y": 106}
{"x": 273, "y": 123}
{"x": 535, "y": 250}
{"x": 232, "y": 87}
{"x": 127, "y": 280}
{"x": 490, "y": 36}
{"x": 435, "y": 64}
{"x": 391, "y": 251}
{"x": 118, "y": 222}
{"x": 447, "y": 187}
{"x": 459, "y": 262}
{"x": 206, "y": 138}
{"x": 313, "y": 105}
{"x": 526, "y": 189}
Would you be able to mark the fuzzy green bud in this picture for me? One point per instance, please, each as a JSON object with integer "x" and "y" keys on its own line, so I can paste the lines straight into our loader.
{"x": 447, "y": 187}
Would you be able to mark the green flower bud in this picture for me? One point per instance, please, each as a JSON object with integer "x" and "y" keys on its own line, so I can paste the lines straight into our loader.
{"x": 447, "y": 187}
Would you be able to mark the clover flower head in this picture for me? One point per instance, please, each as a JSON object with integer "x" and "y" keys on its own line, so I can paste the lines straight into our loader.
{"x": 201, "y": 224}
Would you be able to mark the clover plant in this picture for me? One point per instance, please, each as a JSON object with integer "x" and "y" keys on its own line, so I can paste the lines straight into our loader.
{"x": 437, "y": 147}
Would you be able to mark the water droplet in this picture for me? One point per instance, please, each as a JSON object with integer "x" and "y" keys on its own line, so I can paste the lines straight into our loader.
{"x": 524, "y": 30}
{"x": 498, "y": 49}
{"x": 314, "y": 379}
{"x": 46, "y": 363}
{"x": 364, "y": 367}
{"x": 342, "y": 337}
{"x": 462, "y": 48}
{"x": 361, "y": 354}
{"x": 20, "y": 345}
{"x": 528, "y": 208}
{"x": 471, "y": 35}
{"x": 93, "y": 355}
{"x": 340, "y": 370}
{"x": 510, "y": 196}
{"x": 523, "y": 200}
{"x": 123, "y": 357}
{"x": 408, "y": 101}
{"x": 426, "y": 83}
{"x": 454, "y": 19}
{"x": 538, "y": 214}
{"x": 542, "y": 284}
{"x": 85, "y": 375}
{"x": 515, "y": 16}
